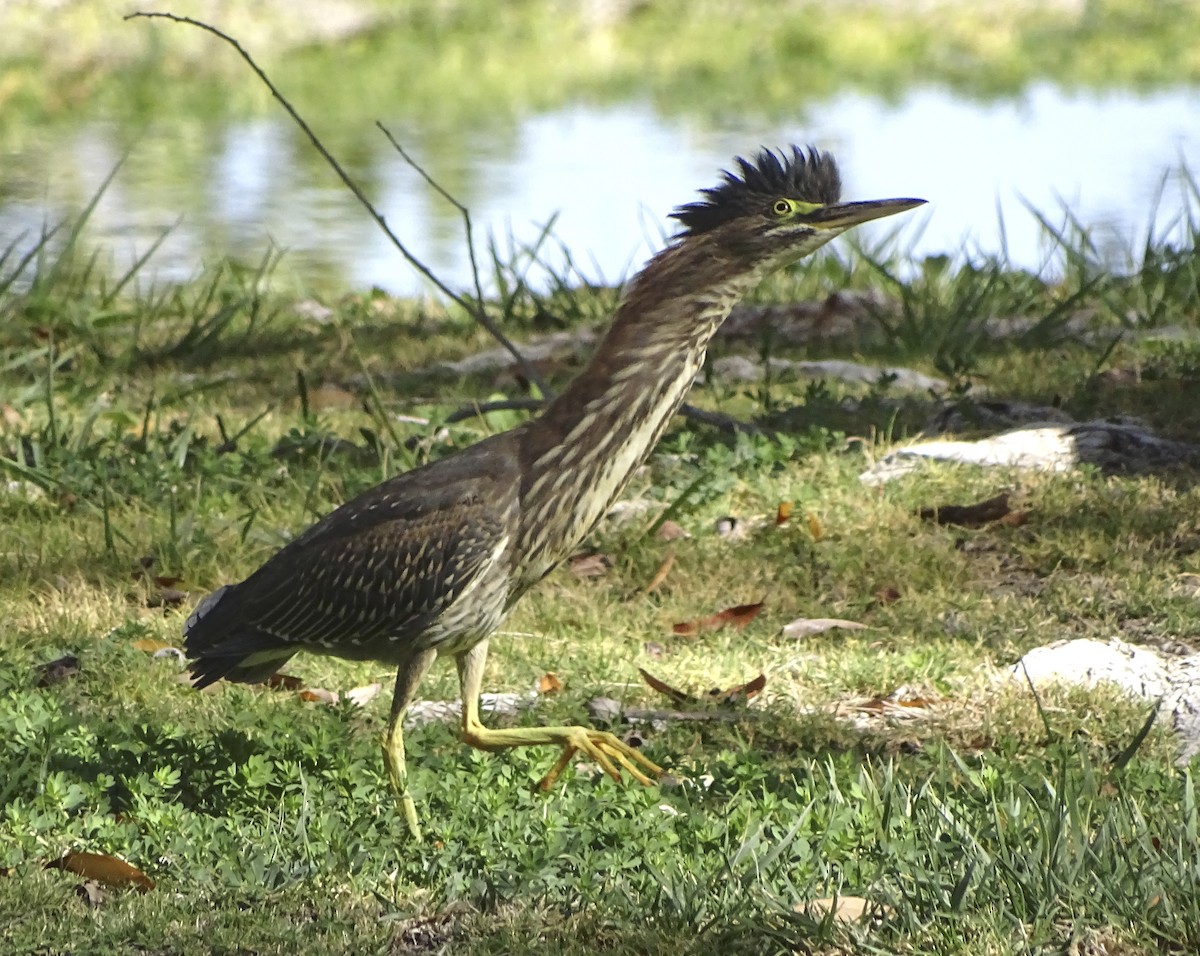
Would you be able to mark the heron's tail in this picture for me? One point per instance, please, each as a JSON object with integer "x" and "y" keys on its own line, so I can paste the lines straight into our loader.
{"x": 222, "y": 644}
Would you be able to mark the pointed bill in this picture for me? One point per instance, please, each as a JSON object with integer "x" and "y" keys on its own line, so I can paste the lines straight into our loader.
{"x": 843, "y": 215}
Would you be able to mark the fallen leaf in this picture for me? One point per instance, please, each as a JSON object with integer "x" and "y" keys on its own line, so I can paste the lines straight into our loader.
{"x": 590, "y": 565}
{"x": 679, "y": 696}
{"x": 807, "y": 626}
{"x": 149, "y": 645}
{"x": 670, "y": 531}
{"x": 848, "y": 909}
{"x": 102, "y": 868}
{"x": 814, "y": 528}
{"x": 317, "y": 695}
{"x": 783, "y": 513}
{"x": 360, "y": 696}
{"x": 888, "y": 595}
{"x": 740, "y": 692}
{"x": 738, "y": 616}
{"x": 168, "y": 597}
{"x": 549, "y": 683}
{"x": 661, "y": 574}
{"x": 969, "y": 516}
{"x": 1014, "y": 519}
{"x": 278, "y": 681}
{"x": 55, "y": 672}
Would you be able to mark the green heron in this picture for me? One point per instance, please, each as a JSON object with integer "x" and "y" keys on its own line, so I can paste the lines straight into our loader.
{"x": 430, "y": 561}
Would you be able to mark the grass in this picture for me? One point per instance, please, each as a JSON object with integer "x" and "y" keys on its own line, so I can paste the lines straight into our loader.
{"x": 150, "y": 434}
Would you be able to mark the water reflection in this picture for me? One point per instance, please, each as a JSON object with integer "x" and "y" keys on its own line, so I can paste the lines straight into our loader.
{"x": 610, "y": 174}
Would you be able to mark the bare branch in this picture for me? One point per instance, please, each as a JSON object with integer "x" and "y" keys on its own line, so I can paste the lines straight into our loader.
{"x": 474, "y": 309}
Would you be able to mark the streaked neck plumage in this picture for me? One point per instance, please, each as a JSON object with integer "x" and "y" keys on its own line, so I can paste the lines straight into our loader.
{"x": 581, "y": 452}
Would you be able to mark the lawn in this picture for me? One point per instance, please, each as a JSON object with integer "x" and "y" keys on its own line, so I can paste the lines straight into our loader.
{"x": 157, "y": 442}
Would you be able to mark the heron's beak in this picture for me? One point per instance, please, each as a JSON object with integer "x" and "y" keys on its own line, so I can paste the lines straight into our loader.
{"x": 846, "y": 214}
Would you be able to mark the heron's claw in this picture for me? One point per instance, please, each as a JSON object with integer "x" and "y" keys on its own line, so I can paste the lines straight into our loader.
{"x": 606, "y": 749}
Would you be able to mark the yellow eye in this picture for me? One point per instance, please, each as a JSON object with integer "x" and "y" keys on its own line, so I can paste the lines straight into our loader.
{"x": 783, "y": 207}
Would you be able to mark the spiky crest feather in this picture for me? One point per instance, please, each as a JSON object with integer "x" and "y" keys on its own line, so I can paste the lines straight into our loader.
{"x": 807, "y": 175}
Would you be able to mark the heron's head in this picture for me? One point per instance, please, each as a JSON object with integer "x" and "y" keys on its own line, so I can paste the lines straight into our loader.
{"x": 777, "y": 209}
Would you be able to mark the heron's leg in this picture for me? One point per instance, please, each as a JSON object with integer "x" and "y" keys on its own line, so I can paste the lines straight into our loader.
{"x": 407, "y": 678}
{"x": 611, "y": 753}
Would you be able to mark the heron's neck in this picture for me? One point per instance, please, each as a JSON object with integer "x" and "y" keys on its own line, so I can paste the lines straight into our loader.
{"x": 581, "y": 452}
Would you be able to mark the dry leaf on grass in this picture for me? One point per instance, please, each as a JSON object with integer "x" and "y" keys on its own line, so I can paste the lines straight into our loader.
{"x": 887, "y": 595}
{"x": 590, "y": 565}
{"x": 902, "y": 702}
{"x": 815, "y": 528}
{"x": 670, "y": 531}
{"x": 808, "y": 626}
{"x": 167, "y": 597}
{"x": 102, "y": 868}
{"x": 549, "y": 683}
{"x": 679, "y": 696}
{"x": 969, "y": 516}
{"x": 738, "y": 616}
{"x": 849, "y": 909}
{"x": 278, "y": 681}
{"x": 730, "y": 695}
{"x": 739, "y": 692}
{"x": 783, "y": 513}
{"x": 318, "y": 695}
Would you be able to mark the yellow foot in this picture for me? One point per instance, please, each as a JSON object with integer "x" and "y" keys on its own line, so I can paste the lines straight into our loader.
{"x": 608, "y": 750}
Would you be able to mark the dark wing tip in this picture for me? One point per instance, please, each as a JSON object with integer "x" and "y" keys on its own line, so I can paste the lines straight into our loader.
{"x": 808, "y": 174}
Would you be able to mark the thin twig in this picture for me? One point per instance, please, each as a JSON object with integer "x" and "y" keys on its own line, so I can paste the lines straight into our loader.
{"x": 475, "y": 309}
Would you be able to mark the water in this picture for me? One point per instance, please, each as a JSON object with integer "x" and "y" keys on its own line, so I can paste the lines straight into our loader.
{"x": 610, "y": 174}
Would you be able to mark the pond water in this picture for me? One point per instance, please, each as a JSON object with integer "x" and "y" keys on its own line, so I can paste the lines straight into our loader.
{"x": 610, "y": 174}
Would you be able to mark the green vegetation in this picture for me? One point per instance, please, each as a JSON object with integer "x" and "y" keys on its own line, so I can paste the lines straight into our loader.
{"x": 471, "y": 61}
{"x": 182, "y": 432}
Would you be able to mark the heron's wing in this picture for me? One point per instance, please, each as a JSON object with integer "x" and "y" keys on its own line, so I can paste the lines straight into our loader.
{"x": 368, "y": 577}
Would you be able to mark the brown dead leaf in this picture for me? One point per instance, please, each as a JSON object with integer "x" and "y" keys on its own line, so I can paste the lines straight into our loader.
{"x": 661, "y": 574}
{"x": 102, "y": 868}
{"x": 679, "y": 696}
{"x": 317, "y": 695}
{"x": 549, "y": 683}
{"x": 815, "y": 528}
{"x": 1014, "y": 519}
{"x": 738, "y": 616}
{"x": 55, "y": 672}
{"x": 149, "y": 645}
{"x": 278, "y": 681}
{"x": 783, "y": 513}
{"x": 670, "y": 531}
{"x": 739, "y": 693}
{"x": 808, "y": 626}
{"x": 167, "y": 597}
{"x": 888, "y": 595}
{"x": 969, "y": 516}
{"x": 590, "y": 565}
{"x": 848, "y": 909}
